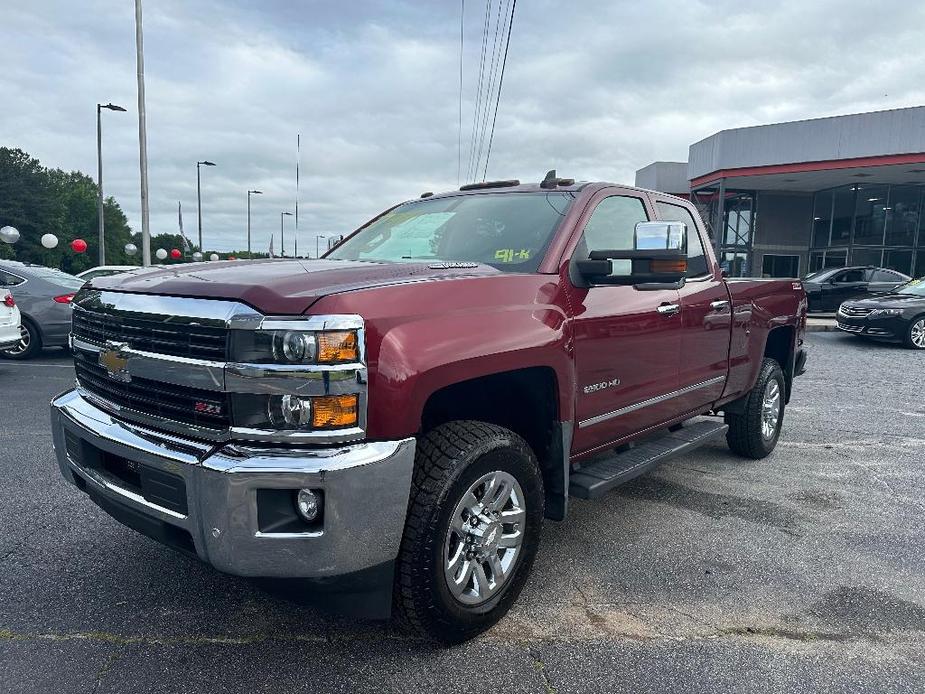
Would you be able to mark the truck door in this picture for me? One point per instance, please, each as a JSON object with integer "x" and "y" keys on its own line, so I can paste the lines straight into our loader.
{"x": 626, "y": 349}
{"x": 705, "y": 319}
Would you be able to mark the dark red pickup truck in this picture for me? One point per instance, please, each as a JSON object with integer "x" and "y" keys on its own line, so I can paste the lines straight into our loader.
{"x": 393, "y": 422}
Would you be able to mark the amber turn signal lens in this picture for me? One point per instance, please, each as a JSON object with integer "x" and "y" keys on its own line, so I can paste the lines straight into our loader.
{"x": 337, "y": 346}
{"x": 666, "y": 266}
{"x": 335, "y": 411}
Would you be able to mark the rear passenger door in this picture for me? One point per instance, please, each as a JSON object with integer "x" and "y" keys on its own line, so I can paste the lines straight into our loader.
{"x": 705, "y": 318}
{"x": 626, "y": 352}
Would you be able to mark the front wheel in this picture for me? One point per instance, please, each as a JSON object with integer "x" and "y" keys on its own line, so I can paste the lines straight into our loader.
{"x": 472, "y": 530}
{"x": 753, "y": 433}
{"x": 915, "y": 336}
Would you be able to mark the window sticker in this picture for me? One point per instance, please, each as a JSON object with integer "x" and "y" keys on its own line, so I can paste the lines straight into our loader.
{"x": 511, "y": 255}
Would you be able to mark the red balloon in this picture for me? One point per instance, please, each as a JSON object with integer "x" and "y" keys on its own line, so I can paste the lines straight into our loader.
{"x": 175, "y": 253}
{"x": 78, "y": 245}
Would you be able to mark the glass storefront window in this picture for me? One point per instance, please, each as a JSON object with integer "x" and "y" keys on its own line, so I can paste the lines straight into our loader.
{"x": 780, "y": 265}
{"x": 870, "y": 214}
{"x": 842, "y": 214}
{"x": 919, "y": 268}
{"x": 902, "y": 215}
{"x": 866, "y": 256}
{"x": 899, "y": 260}
{"x": 822, "y": 219}
{"x": 739, "y": 212}
{"x": 735, "y": 264}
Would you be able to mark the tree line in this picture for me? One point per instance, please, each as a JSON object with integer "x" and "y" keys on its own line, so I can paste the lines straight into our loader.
{"x": 39, "y": 200}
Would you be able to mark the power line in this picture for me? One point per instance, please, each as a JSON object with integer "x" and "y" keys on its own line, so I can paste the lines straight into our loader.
{"x": 500, "y": 84}
{"x": 470, "y": 169}
{"x": 493, "y": 70}
{"x": 462, "y": 15}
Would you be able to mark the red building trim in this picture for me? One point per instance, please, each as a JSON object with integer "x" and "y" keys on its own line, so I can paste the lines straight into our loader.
{"x": 830, "y": 165}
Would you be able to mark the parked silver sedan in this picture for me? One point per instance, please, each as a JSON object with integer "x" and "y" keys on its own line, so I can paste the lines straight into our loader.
{"x": 43, "y": 296}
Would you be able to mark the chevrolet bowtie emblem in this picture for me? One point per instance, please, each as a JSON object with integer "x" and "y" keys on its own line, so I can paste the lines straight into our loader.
{"x": 115, "y": 362}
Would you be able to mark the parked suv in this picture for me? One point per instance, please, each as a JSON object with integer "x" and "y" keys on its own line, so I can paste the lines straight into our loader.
{"x": 44, "y": 298}
{"x": 395, "y": 420}
{"x": 827, "y": 289}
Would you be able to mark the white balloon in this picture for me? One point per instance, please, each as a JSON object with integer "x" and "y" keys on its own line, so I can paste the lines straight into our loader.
{"x": 49, "y": 240}
{"x": 197, "y": 256}
{"x": 161, "y": 254}
{"x": 214, "y": 256}
{"x": 131, "y": 249}
{"x": 9, "y": 234}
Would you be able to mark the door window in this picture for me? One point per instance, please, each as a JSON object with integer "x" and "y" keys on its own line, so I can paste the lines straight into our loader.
{"x": 849, "y": 276}
{"x": 8, "y": 280}
{"x": 612, "y": 225}
{"x": 696, "y": 257}
{"x": 885, "y": 276}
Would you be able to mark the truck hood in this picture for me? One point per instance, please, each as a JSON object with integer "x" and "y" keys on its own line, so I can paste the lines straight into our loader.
{"x": 284, "y": 287}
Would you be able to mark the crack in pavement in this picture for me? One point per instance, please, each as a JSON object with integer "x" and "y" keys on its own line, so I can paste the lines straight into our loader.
{"x": 540, "y": 667}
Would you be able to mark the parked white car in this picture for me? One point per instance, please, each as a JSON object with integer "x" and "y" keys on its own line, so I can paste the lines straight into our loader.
{"x": 9, "y": 319}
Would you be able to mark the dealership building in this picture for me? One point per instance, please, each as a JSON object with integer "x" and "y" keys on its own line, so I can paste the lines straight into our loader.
{"x": 791, "y": 198}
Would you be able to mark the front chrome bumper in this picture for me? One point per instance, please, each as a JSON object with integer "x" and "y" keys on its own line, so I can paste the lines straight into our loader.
{"x": 365, "y": 488}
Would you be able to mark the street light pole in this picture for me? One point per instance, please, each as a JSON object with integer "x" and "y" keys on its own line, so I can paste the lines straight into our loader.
{"x": 282, "y": 239}
{"x": 317, "y": 252}
{"x": 142, "y": 138}
{"x": 199, "y": 197}
{"x": 249, "y": 193}
{"x": 99, "y": 177}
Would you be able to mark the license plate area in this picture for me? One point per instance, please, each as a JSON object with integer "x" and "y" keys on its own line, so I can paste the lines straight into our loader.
{"x": 155, "y": 486}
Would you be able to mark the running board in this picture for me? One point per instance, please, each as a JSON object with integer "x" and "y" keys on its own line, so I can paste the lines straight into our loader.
{"x": 597, "y": 478}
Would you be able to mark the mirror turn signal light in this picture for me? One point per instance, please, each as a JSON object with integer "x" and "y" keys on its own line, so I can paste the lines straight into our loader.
{"x": 335, "y": 411}
{"x": 668, "y": 266}
{"x": 338, "y": 346}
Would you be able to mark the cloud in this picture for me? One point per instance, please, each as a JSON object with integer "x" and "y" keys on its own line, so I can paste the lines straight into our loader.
{"x": 594, "y": 89}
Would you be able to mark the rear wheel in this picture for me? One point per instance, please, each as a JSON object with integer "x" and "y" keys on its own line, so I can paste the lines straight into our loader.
{"x": 472, "y": 530}
{"x": 915, "y": 336}
{"x": 754, "y": 432}
{"x": 30, "y": 342}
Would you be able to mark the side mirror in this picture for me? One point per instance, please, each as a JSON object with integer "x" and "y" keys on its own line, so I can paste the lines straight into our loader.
{"x": 659, "y": 257}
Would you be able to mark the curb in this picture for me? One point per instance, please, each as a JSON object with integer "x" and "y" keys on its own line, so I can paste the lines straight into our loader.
{"x": 821, "y": 328}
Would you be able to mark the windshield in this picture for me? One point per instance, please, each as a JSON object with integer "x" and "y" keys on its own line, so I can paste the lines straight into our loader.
{"x": 509, "y": 231}
{"x": 48, "y": 274}
{"x": 916, "y": 287}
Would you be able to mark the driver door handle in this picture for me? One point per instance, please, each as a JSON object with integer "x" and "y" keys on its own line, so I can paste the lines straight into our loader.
{"x": 669, "y": 309}
{"x": 721, "y": 305}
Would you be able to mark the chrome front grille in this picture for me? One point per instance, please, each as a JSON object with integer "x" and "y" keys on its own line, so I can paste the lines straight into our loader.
{"x": 158, "y": 336}
{"x": 199, "y": 408}
{"x": 850, "y": 328}
{"x": 854, "y": 311}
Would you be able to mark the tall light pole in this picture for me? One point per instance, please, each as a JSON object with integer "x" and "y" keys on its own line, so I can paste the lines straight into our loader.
{"x": 99, "y": 177}
{"x": 142, "y": 138}
{"x": 282, "y": 239}
{"x": 249, "y": 193}
{"x": 199, "y": 197}
{"x": 317, "y": 252}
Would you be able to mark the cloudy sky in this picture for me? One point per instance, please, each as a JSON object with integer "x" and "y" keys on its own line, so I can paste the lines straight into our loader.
{"x": 593, "y": 89}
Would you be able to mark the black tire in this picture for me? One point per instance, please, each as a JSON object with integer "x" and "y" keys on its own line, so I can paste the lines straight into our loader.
{"x": 745, "y": 435}
{"x": 33, "y": 346}
{"x": 449, "y": 459}
{"x": 915, "y": 323}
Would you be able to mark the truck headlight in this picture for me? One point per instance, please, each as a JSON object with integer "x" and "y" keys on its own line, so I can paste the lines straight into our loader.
{"x": 295, "y": 346}
{"x": 296, "y": 412}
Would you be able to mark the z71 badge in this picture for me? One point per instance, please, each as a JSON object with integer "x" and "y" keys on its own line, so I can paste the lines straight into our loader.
{"x": 604, "y": 385}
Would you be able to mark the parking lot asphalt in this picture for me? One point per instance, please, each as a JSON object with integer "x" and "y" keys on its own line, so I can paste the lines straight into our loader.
{"x": 801, "y": 572}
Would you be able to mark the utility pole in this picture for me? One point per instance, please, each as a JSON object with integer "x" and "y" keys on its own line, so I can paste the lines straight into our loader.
{"x": 249, "y": 193}
{"x": 282, "y": 238}
{"x": 199, "y": 196}
{"x": 99, "y": 177}
{"x": 142, "y": 138}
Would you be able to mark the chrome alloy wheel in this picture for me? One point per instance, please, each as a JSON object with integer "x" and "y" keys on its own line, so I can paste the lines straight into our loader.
{"x": 484, "y": 539}
{"x": 770, "y": 409}
{"x": 917, "y": 333}
{"x": 25, "y": 339}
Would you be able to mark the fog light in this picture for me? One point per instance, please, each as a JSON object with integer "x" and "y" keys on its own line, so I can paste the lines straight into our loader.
{"x": 289, "y": 410}
{"x": 308, "y": 504}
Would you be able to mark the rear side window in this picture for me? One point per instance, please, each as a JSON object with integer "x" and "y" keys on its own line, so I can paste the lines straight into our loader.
{"x": 885, "y": 276}
{"x": 612, "y": 225}
{"x": 8, "y": 280}
{"x": 696, "y": 257}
